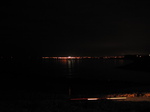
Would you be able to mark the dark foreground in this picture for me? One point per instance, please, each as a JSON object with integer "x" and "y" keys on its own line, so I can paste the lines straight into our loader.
{"x": 28, "y": 87}
{"x": 55, "y": 104}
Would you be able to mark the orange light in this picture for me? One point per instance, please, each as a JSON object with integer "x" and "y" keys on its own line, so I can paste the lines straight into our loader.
{"x": 117, "y": 98}
{"x": 92, "y": 98}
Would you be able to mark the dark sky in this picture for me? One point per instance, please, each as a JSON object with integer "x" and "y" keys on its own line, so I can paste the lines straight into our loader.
{"x": 65, "y": 28}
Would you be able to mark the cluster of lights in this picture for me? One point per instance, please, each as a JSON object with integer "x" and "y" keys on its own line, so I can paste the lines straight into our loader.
{"x": 113, "y": 57}
{"x": 86, "y": 57}
{"x": 138, "y": 56}
{"x": 71, "y": 57}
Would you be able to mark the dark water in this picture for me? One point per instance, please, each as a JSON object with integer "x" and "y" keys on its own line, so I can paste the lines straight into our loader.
{"x": 100, "y": 69}
{"x": 94, "y": 76}
{"x": 51, "y": 84}
{"x": 85, "y": 77}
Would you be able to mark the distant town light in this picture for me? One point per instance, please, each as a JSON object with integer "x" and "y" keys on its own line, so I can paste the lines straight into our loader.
{"x": 149, "y": 54}
{"x": 72, "y": 57}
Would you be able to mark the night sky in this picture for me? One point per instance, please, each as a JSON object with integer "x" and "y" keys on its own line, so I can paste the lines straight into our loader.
{"x": 51, "y": 28}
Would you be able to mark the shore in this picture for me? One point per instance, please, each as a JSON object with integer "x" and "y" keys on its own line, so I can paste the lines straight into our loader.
{"x": 53, "y": 103}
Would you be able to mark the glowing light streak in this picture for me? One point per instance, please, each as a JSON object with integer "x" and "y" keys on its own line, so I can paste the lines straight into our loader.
{"x": 86, "y": 57}
{"x": 117, "y": 98}
{"x": 86, "y": 99}
{"x": 93, "y": 99}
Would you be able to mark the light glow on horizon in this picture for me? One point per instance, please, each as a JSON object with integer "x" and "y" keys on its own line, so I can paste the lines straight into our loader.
{"x": 85, "y": 57}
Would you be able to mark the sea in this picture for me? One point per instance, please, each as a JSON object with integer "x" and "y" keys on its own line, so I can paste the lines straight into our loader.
{"x": 72, "y": 77}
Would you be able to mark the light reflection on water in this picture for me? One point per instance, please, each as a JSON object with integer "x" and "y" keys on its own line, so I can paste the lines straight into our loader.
{"x": 68, "y": 64}
{"x": 103, "y": 69}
